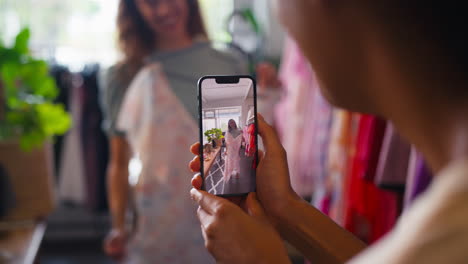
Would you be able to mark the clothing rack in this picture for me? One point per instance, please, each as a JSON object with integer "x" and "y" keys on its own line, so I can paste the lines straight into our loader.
{"x": 356, "y": 167}
{"x": 86, "y": 217}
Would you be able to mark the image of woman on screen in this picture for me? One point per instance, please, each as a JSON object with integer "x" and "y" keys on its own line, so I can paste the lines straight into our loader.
{"x": 234, "y": 140}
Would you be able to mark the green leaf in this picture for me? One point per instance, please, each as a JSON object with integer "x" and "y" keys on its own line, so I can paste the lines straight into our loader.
{"x": 21, "y": 42}
{"x": 9, "y": 56}
{"x": 250, "y": 17}
{"x": 30, "y": 113}
{"x": 32, "y": 139}
{"x": 54, "y": 119}
{"x": 15, "y": 117}
{"x": 47, "y": 89}
{"x": 9, "y": 73}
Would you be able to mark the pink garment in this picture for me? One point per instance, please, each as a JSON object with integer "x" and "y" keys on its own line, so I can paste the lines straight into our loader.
{"x": 232, "y": 162}
{"x": 294, "y": 116}
{"x": 159, "y": 130}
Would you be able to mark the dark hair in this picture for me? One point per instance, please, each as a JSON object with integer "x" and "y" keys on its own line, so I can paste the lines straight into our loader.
{"x": 438, "y": 24}
{"x": 135, "y": 37}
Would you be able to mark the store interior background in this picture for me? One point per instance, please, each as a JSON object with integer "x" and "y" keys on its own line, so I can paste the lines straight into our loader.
{"x": 79, "y": 37}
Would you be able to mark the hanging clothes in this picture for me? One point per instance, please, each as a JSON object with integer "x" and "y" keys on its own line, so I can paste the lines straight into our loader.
{"x": 334, "y": 176}
{"x": 419, "y": 177}
{"x": 370, "y": 212}
{"x": 369, "y": 143}
{"x": 392, "y": 168}
{"x": 72, "y": 182}
{"x": 158, "y": 128}
{"x": 93, "y": 141}
{"x": 64, "y": 82}
{"x": 292, "y": 114}
{"x": 250, "y": 146}
{"x": 337, "y": 156}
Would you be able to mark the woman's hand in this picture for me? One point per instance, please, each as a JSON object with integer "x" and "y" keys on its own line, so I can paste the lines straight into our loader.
{"x": 273, "y": 185}
{"x": 115, "y": 244}
{"x": 233, "y": 236}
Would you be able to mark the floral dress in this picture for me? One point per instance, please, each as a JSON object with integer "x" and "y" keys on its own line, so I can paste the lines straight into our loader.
{"x": 159, "y": 130}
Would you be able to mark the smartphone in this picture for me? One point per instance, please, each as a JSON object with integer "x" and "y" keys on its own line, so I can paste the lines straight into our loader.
{"x": 228, "y": 134}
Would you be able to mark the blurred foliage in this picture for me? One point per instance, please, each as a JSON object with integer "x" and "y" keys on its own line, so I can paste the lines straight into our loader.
{"x": 29, "y": 113}
{"x": 214, "y": 133}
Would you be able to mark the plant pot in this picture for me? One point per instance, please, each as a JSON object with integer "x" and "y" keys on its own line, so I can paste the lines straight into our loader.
{"x": 218, "y": 142}
{"x": 31, "y": 177}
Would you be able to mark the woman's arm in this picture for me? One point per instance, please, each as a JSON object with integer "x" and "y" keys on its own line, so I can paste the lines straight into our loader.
{"x": 117, "y": 181}
{"x": 118, "y": 192}
{"x": 315, "y": 235}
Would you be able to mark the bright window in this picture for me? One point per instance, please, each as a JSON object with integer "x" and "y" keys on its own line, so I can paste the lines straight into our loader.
{"x": 70, "y": 32}
{"x": 77, "y": 32}
{"x": 215, "y": 14}
{"x": 219, "y": 118}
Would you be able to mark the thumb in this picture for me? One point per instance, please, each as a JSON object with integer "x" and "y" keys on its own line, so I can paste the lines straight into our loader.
{"x": 255, "y": 209}
{"x": 270, "y": 139}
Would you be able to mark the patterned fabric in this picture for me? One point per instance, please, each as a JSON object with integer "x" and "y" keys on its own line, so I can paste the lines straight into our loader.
{"x": 182, "y": 68}
{"x": 334, "y": 174}
{"x": 159, "y": 129}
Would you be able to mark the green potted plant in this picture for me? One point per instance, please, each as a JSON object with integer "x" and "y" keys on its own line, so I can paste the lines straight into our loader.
{"x": 214, "y": 135}
{"x": 28, "y": 120}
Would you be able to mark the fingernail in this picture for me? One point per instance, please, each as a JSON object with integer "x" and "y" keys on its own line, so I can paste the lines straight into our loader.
{"x": 195, "y": 176}
{"x": 194, "y": 194}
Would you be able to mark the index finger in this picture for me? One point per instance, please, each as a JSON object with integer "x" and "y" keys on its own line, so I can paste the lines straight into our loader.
{"x": 195, "y": 148}
{"x": 207, "y": 201}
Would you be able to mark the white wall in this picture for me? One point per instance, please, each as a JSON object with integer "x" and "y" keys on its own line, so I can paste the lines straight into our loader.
{"x": 273, "y": 30}
{"x": 222, "y": 103}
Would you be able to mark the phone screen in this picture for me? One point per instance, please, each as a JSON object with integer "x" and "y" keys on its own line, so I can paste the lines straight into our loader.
{"x": 228, "y": 133}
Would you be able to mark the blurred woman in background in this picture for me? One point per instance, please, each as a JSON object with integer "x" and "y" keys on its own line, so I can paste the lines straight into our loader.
{"x": 165, "y": 46}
